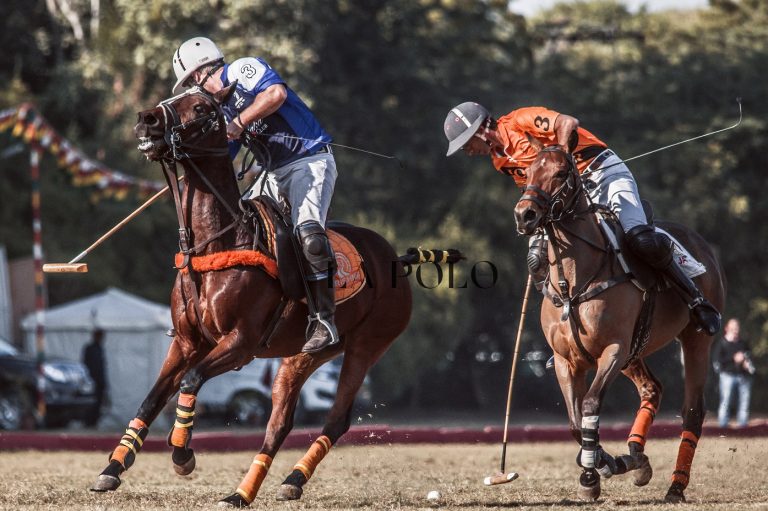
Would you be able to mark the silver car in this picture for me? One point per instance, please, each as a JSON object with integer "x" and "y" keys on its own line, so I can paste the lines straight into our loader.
{"x": 245, "y": 397}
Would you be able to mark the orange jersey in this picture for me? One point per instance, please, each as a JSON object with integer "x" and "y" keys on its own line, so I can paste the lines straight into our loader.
{"x": 539, "y": 122}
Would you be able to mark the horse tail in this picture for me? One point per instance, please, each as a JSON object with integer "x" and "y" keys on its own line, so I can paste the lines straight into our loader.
{"x": 419, "y": 256}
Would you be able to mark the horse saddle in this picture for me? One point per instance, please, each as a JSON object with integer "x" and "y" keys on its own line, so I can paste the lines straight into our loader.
{"x": 276, "y": 234}
{"x": 643, "y": 275}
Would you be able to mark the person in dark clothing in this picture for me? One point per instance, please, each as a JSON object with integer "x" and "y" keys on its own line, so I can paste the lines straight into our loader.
{"x": 734, "y": 364}
{"x": 93, "y": 358}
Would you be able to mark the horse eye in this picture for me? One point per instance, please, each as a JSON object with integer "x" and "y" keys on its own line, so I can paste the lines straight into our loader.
{"x": 562, "y": 174}
{"x": 200, "y": 109}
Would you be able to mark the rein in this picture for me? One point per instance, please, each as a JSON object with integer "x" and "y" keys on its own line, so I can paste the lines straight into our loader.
{"x": 559, "y": 206}
{"x": 185, "y": 150}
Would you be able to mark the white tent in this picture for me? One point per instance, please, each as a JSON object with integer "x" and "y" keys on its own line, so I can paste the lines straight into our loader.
{"x": 135, "y": 343}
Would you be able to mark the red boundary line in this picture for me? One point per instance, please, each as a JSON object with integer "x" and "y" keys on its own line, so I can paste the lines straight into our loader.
{"x": 358, "y": 435}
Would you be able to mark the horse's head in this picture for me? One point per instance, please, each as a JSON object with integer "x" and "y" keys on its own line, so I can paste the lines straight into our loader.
{"x": 551, "y": 190}
{"x": 191, "y": 122}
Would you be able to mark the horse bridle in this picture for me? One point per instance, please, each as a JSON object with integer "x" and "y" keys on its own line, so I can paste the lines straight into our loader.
{"x": 179, "y": 150}
{"x": 560, "y": 205}
{"x": 562, "y": 202}
{"x": 187, "y": 148}
{"x": 211, "y": 122}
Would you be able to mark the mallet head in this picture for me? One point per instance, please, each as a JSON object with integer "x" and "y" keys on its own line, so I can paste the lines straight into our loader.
{"x": 500, "y": 478}
{"x": 65, "y": 268}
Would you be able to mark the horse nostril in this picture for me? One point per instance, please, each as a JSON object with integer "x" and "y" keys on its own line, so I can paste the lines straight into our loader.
{"x": 529, "y": 216}
{"x": 148, "y": 119}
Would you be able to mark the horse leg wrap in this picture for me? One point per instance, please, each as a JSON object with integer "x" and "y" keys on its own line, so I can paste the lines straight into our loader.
{"x": 591, "y": 455}
{"x": 590, "y": 441}
{"x": 642, "y": 424}
{"x": 130, "y": 444}
{"x": 181, "y": 433}
{"x": 314, "y": 456}
{"x": 251, "y": 483}
{"x": 685, "y": 455}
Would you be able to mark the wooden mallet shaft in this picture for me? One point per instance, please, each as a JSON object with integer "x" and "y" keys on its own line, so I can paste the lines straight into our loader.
{"x": 503, "y": 477}
{"x": 74, "y": 266}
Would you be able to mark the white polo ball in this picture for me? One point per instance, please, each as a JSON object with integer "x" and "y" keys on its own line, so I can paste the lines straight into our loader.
{"x": 433, "y": 495}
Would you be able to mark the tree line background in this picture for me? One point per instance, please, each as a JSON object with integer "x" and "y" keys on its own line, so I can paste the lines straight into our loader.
{"x": 382, "y": 75}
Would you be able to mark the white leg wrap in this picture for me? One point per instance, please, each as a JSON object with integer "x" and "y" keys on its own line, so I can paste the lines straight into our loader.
{"x": 590, "y": 422}
{"x": 588, "y": 459}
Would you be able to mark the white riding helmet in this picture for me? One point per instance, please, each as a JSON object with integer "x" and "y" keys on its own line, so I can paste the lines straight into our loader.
{"x": 192, "y": 54}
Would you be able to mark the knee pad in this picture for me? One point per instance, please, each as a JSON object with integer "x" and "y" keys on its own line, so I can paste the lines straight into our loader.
{"x": 316, "y": 249}
{"x": 651, "y": 246}
{"x": 537, "y": 256}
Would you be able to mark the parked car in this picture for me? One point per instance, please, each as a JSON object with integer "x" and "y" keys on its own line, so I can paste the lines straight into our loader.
{"x": 68, "y": 390}
{"x": 245, "y": 396}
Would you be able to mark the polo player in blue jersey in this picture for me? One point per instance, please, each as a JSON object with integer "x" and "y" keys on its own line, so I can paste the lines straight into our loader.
{"x": 293, "y": 149}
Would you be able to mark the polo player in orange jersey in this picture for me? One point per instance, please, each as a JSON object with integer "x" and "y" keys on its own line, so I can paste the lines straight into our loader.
{"x": 608, "y": 181}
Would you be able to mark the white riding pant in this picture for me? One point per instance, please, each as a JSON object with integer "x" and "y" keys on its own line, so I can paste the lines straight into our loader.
{"x": 305, "y": 184}
{"x": 611, "y": 184}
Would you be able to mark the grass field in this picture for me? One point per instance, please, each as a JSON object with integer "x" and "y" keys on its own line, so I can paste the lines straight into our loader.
{"x": 727, "y": 474}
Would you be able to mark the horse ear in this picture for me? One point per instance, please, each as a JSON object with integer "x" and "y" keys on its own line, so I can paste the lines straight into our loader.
{"x": 534, "y": 142}
{"x": 223, "y": 95}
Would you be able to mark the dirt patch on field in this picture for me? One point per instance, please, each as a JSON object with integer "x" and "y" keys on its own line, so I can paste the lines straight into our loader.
{"x": 727, "y": 474}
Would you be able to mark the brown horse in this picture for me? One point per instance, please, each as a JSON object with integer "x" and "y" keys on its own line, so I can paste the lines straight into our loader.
{"x": 589, "y": 320}
{"x": 223, "y": 319}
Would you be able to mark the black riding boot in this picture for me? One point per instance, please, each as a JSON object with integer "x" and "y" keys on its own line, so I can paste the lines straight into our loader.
{"x": 321, "y": 331}
{"x": 705, "y": 314}
{"x": 656, "y": 249}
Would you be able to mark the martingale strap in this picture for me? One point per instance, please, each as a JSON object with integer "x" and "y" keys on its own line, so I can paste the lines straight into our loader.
{"x": 170, "y": 173}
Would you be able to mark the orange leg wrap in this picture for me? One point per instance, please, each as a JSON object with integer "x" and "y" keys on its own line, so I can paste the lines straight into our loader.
{"x": 643, "y": 421}
{"x": 314, "y": 456}
{"x": 130, "y": 444}
{"x": 685, "y": 458}
{"x": 182, "y": 428}
{"x": 251, "y": 483}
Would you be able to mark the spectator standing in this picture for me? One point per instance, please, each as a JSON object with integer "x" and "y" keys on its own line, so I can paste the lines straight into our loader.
{"x": 733, "y": 362}
{"x": 93, "y": 358}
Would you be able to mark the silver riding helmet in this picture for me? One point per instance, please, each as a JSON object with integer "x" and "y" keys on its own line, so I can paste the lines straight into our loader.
{"x": 462, "y": 123}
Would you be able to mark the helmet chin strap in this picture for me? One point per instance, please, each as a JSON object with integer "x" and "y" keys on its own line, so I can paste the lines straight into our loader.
{"x": 215, "y": 67}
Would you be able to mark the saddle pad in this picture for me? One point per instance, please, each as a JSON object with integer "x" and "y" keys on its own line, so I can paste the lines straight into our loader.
{"x": 350, "y": 275}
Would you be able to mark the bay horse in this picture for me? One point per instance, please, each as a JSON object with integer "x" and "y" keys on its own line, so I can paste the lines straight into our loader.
{"x": 588, "y": 319}
{"x": 225, "y": 318}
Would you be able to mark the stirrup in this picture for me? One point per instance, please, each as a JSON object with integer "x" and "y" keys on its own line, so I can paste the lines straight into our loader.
{"x": 709, "y": 325}
{"x": 329, "y": 327}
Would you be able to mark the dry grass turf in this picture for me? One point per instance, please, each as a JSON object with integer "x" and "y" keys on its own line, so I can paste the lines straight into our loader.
{"x": 728, "y": 474}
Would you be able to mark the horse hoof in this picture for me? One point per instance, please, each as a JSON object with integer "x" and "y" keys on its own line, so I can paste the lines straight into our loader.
{"x": 234, "y": 500}
{"x": 105, "y": 483}
{"x": 184, "y": 468}
{"x": 589, "y": 493}
{"x": 589, "y": 485}
{"x": 675, "y": 494}
{"x": 289, "y": 492}
{"x": 644, "y": 473}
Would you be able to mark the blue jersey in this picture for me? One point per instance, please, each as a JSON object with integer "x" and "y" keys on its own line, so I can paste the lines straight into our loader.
{"x": 291, "y": 132}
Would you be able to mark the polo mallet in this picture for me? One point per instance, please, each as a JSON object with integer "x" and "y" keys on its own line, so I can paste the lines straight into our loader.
{"x": 77, "y": 267}
{"x": 503, "y": 476}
